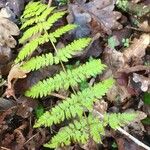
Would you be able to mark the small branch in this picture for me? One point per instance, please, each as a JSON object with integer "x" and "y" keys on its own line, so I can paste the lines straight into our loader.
{"x": 133, "y": 138}
{"x": 58, "y": 95}
{"x": 126, "y": 133}
{"x": 49, "y": 3}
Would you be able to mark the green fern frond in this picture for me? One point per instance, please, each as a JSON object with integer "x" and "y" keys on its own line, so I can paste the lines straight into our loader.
{"x": 64, "y": 80}
{"x": 42, "y": 26}
{"x": 75, "y": 105}
{"x": 30, "y": 47}
{"x": 31, "y": 9}
{"x": 116, "y": 120}
{"x": 37, "y": 18}
{"x": 80, "y": 131}
{"x": 63, "y": 55}
{"x": 60, "y": 31}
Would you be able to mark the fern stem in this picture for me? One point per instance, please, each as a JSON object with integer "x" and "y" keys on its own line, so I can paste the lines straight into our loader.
{"x": 63, "y": 67}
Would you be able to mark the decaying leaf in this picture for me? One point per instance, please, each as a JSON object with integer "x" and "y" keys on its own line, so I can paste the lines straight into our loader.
{"x": 5, "y": 54}
{"x": 137, "y": 49}
{"x": 144, "y": 81}
{"x": 94, "y": 12}
{"x": 7, "y": 29}
{"x": 15, "y": 73}
{"x": 103, "y": 12}
{"x": 144, "y": 26}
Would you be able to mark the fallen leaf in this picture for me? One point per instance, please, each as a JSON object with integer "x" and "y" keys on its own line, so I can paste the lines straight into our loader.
{"x": 103, "y": 12}
{"x": 95, "y": 13}
{"x": 144, "y": 81}
{"x": 137, "y": 49}
{"x": 15, "y": 73}
{"x": 16, "y": 6}
{"x": 5, "y": 54}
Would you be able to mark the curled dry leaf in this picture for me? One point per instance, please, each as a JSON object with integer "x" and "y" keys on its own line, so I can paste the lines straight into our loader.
{"x": 15, "y": 73}
{"x": 144, "y": 26}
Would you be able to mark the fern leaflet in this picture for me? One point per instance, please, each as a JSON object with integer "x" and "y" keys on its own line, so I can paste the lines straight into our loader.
{"x": 63, "y": 55}
{"x": 75, "y": 105}
{"x": 64, "y": 80}
{"x": 42, "y": 26}
{"x": 80, "y": 131}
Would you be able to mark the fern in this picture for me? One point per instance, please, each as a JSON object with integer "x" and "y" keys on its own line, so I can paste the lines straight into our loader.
{"x": 37, "y": 21}
{"x": 63, "y": 55}
{"x": 84, "y": 129}
{"x": 75, "y": 105}
{"x": 64, "y": 80}
{"x": 40, "y": 20}
{"x": 41, "y": 26}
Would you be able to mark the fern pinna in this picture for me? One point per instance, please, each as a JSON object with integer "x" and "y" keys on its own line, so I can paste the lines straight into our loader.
{"x": 37, "y": 21}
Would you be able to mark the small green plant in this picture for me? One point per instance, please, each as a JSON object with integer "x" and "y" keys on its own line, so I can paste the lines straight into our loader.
{"x": 125, "y": 42}
{"x": 111, "y": 42}
{"x": 147, "y": 98}
{"x": 37, "y": 21}
{"x": 62, "y": 2}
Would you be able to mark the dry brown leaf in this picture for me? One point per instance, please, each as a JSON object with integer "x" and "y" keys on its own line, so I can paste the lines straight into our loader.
{"x": 144, "y": 81}
{"x": 144, "y": 26}
{"x": 98, "y": 15}
{"x": 7, "y": 29}
{"x": 137, "y": 49}
{"x": 103, "y": 12}
{"x": 15, "y": 73}
{"x": 5, "y": 54}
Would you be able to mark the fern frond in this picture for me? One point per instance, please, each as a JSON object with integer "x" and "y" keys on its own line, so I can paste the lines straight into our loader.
{"x": 66, "y": 79}
{"x": 30, "y": 47}
{"x": 60, "y": 31}
{"x": 79, "y": 132}
{"x": 38, "y": 18}
{"x": 75, "y": 105}
{"x": 63, "y": 55}
{"x": 116, "y": 120}
{"x": 31, "y": 9}
{"x": 42, "y": 26}
{"x": 86, "y": 128}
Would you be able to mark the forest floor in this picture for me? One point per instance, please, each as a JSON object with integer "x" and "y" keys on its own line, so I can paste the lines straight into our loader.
{"x": 120, "y": 38}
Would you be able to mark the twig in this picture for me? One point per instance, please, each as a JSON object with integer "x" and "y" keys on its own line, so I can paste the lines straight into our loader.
{"x": 4, "y": 148}
{"x": 133, "y": 138}
{"x": 49, "y": 3}
{"x": 58, "y": 95}
{"x": 126, "y": 133}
